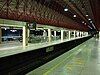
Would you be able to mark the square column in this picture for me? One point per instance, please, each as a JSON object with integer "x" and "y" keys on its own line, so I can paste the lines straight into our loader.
{"x": 55, "y": 34}
{"x": 86, "y": 33}
{"x": 44, "y": 33}
{"x": 0, "y": 35}
{"x": 74, "y": 34}
{"x": 49, "y": 35}
{"x": 25, "y": 38}
{"x": 77, "y": 33}
{"x": 69, "y": 35}
{"x": 28, "y": 34}
{"x": 62, "y": 34}
{"x": 99, "y": 34}
{"x": 80, "y": 34}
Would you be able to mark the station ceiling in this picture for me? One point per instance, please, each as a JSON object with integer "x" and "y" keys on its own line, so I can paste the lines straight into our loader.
{"x": 79, "y": 14}
{"x": 96, "y": 11}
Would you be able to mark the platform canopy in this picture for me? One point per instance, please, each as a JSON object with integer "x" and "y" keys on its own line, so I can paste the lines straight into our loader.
{"x": 12, "y": 23}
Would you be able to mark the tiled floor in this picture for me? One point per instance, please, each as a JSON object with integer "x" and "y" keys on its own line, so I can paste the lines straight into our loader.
{"x": 92, "y": 67}
{"x": 83, "y": 60}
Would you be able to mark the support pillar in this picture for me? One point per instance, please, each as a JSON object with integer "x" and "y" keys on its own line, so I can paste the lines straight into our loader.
{"x": 55, "y": 34}
{"x": 44, "y": 33}
{"x": 80, "y": 34}
{"x": 65, "y": 34}
{"x": 77, "y": 33}
{"x": 49, "y": 35}
{"x": 0, "y": 35}
{"x": 62, "y": 34}
{"x": 25, "y": 39}
{"x": 74, "y": 34}
{"x": 99, "y": 34}
{"x": 86, "y": 33}
{"x": 28, "y": 32}
{"x": 69, "y": 35}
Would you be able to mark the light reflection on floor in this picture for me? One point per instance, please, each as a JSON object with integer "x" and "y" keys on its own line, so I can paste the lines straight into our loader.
{"x": 86, "y": 62}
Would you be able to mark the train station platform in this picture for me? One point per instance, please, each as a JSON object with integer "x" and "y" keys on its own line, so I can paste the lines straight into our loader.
{"x": 49, "y": 37}
{"x": 81, "y": 60}
{"x": 21, "y": 60}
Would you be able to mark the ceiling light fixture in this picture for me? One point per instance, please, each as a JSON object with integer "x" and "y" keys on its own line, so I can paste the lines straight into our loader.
{"x": 85, "y": 23}
{"x": 65, "y": 9}
{"x": 89, "y": 19}
{"x": 82, "y": 21}
{"x": 87, "y": 15}
{"x": 74, "y": 16}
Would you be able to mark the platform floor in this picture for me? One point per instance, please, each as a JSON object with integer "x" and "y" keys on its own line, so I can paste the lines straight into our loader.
{"x": 83, "y": 60}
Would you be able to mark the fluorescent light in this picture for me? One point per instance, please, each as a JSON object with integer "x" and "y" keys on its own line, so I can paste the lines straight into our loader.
{"x": 93, "y": 24}
{"x": 65, "y": 9}
{"x": 89, "y": 27}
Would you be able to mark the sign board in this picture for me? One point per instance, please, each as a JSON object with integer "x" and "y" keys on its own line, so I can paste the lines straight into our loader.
{"x": 49, "y": 49}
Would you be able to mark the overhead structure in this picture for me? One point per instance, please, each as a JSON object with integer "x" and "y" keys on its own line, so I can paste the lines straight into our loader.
{"x": 95, "y": 4}
{"x": 50, "y": 12}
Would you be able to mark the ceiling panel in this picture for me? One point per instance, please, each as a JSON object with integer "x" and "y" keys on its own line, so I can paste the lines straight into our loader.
{"x": 51, "y": 12}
